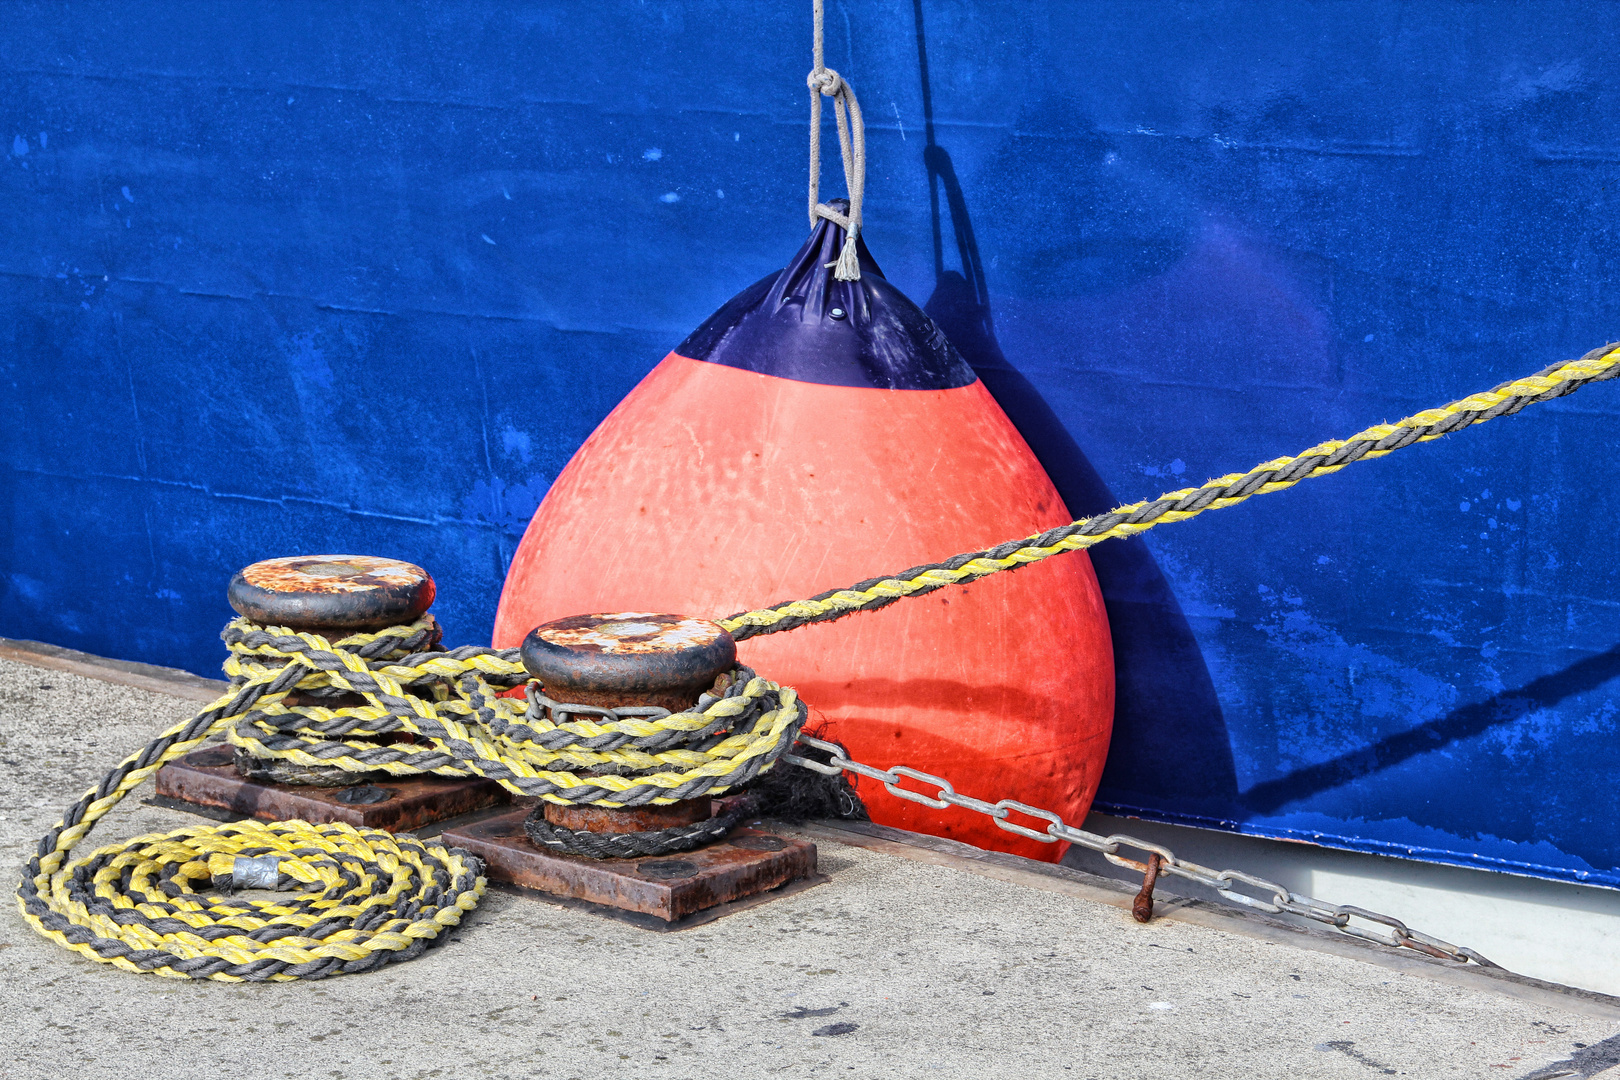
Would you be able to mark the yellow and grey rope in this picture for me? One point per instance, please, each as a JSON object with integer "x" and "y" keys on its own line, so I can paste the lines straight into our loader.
{"x": 465, "y": 728}
{"x": 149, "y": 904}
{"x": 1553, "y": 382}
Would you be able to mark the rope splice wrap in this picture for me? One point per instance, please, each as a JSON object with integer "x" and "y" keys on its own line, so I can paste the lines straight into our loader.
{"x": 634, "y": 845}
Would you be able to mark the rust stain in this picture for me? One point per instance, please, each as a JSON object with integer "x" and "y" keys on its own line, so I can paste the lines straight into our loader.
{"x": 669, "y": 887}
{"x": 207, "y": 778}
{"x": 603, "y": 819}
{"x": 631, "y": 632}
{"x": 332, "y": 574}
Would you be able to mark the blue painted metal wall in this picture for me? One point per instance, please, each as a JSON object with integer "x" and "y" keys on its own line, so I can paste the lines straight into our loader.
{"x": 281, "y": 278}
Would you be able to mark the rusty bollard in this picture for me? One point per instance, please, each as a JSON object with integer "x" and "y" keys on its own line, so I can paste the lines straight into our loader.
{"x": 333, "y": 596}
{"x": 628, "y": 659}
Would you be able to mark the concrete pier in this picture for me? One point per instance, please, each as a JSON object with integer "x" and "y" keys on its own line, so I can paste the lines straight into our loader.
{"x": 912, "y": 961}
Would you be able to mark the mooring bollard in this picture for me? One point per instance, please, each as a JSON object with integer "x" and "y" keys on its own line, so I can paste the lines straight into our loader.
{"x": 615, "y": 667}
{"x": 332, "y": 595}
{"x": 633, "y": 663}
{"x": 335, "y": 597}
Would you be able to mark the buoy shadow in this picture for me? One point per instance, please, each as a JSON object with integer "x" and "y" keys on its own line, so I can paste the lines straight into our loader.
{"x": 1170, "y": 743}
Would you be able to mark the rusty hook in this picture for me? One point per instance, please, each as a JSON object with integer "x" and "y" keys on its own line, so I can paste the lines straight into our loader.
{"x": 1142, "y": 906}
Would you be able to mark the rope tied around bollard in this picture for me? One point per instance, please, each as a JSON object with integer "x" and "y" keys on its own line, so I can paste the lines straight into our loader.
{"x": 465, "y": 727}
{"x": 370, "y": 897}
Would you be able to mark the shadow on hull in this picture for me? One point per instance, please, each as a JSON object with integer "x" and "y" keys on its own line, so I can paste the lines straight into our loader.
{"x": 1170, "y": 742}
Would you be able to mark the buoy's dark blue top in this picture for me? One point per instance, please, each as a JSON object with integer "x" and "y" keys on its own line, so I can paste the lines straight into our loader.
{"x": 805, "y": 324}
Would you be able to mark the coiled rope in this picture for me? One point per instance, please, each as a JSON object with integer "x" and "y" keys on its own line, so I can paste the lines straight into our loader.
{"x": 1552, "y": 382}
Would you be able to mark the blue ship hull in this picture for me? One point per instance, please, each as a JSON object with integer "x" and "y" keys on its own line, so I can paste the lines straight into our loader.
{"x": 362, "y": 278}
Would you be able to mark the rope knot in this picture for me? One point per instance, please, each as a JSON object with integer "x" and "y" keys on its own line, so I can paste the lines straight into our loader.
{"x": 825, "y": 80}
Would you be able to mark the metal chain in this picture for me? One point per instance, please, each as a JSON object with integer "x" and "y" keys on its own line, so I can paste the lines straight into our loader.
{"x": 1224, "y": 882}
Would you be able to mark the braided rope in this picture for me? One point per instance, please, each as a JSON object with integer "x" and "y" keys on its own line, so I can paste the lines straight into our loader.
{"x": 464, "y": 728}
{"x": 373, "y": 897}
{"x": 633, "y": 845}
{"x": 1504, "y": 400}
{"x": 138, "y": 906}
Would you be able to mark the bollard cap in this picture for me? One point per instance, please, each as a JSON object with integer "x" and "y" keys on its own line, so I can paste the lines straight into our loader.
{"x": 331, "y": 592}
{"x": 629, "y": 658}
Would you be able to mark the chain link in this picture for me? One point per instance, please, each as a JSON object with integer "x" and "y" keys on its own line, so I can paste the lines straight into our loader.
{"x": 1273, "y": 898}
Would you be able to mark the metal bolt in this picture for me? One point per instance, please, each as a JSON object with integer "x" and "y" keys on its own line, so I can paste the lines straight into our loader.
{"x": 1142, "y": 906}
{"x": 837, "y": 313}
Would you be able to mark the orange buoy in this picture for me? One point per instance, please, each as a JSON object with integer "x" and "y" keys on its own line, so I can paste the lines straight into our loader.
{"x": 811, "y": 434}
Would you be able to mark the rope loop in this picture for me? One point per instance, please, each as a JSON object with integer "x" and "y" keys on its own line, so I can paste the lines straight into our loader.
{"x": 825, "y": 82}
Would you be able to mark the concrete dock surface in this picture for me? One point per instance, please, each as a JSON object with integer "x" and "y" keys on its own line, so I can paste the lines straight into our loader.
{"x": 910, "y": 961}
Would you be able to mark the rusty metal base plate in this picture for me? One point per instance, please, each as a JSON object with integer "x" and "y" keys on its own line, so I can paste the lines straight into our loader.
{"x": 205, "y": 781}
{"x": 671, "y": 888}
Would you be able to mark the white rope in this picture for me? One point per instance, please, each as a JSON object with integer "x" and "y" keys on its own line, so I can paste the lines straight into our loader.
{"x": 824, "y": 81}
